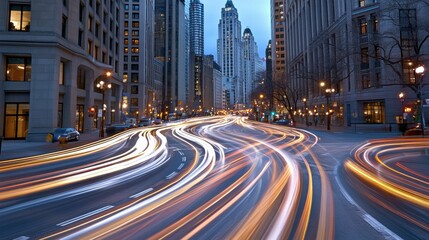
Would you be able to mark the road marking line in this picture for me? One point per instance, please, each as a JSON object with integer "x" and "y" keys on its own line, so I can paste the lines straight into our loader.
{"x": 171, "y": 175}
{"x": 378, "y": 226}
{"x": 183, "y": 159}
{"x": 181, "y": 153}
{"x": 65, "y": 223}
{"x": 141, "y": 193}
{"x": 181, "y": 166}
{"x": 22, "y": 238}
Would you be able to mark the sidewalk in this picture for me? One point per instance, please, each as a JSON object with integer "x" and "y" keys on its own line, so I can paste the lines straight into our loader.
{"x": 20, "y": 148}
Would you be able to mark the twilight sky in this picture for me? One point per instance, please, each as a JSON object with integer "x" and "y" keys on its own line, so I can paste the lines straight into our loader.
{"x": 254, "y": 14}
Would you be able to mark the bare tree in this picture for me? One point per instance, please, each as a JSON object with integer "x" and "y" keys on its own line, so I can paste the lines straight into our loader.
{"x": 404, "y": 45}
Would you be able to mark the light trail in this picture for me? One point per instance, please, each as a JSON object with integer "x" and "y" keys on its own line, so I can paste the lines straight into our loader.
{"x": 390, "y": 169}
{"x": 266, "y": 178}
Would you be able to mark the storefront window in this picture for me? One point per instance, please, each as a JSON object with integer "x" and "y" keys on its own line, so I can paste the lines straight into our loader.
{"x": 374, "y": 112}
{"x": 16, "y": 120}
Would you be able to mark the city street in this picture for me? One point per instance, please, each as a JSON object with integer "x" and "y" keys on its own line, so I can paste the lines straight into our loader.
{"x": 221, "y": 177}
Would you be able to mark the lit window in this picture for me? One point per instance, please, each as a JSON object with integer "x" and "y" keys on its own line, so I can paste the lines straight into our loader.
{"x": 18, "y": 68}
{"x": 20, "y": 17}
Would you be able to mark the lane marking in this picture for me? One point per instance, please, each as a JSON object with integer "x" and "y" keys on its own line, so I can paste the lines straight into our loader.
{"x": 181, "y": 166}
{"x": 171, "y": 175}
{"x": 21, "y": 238}
{"x": 141, "y": 193}
{"x": 181, "y": 153}
{"x": 65, "y": 223}
{"x": 183, "y": 159}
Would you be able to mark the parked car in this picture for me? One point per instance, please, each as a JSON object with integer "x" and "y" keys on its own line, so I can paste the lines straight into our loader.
{"x": 145, "y": 122}
{"x": 157, "y": 121}
{"x": 284, "y": 122}
{"x": 117, "y": 128}
{"x": 67, "y": 133}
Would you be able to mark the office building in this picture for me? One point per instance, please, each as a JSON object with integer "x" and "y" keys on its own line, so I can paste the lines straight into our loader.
{"x": 55, "y": 54}
{"x": 196, "y": 10}
{"x": 229, "y": 50}
{"x": 170, "y": 48}
{"x": 139, "y": 91}
{"x": 364, "y": 53}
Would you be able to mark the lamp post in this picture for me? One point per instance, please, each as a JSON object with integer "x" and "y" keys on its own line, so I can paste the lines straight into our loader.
{"x": 305, "y": 111}
{"x": 402, "y": 98}
{"x": 328, "y": 94}
{"x": 103, "y": 86}
{"x": 420, "y": 71}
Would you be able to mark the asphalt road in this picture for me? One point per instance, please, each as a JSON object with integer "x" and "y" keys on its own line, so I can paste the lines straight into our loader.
{"x": 218, "y": 178}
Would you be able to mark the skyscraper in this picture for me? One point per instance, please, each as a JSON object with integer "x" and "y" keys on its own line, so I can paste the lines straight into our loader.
{"x": 138, "y": 59}
{"x": 170, "y": 48}
{"x": 278, "y": 37}
{"x": 229, "y": 55}
{"x": 196, "y": 10}
{"x": 250, "y": 53}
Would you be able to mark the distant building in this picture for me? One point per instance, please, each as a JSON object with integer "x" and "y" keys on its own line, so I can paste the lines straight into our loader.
{"x": 197, "y": 54}
{"x": 53, "y": 56}
{"x": 250, "y": 56}
{"x": 218, "y": 93}
{"x": 208, "y": 86}
{"x": 278, "y": 30}
{"x": 170, "y": 48}
{"x": 138, "y": 59}
{"x": 229, "y": 50}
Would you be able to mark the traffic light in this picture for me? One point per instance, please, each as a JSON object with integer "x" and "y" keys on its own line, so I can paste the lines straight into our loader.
{"x": 91, "y": 111}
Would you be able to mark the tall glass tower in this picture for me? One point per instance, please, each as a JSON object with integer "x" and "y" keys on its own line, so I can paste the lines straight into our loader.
{"x": 196, "y": 11}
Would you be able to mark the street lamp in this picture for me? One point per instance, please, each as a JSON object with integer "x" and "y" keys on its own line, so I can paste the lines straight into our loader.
{"x": 305, "y": 111}
{"x": 420, "y": 71}
{"x": 328, "y": 93}
{"x": 103, "y": 86}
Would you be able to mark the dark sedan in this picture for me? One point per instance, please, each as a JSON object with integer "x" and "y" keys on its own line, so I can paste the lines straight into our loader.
{"x": 67, "y": 133}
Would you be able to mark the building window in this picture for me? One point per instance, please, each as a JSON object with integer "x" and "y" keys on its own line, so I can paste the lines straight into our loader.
{"x": 362, "y": 3}
{"x": 135, "y": 41}
{"x": 136, "y": 7}
{"x": 136, "y": 16}
{"x": 134, "y": 67}
{"x": 408, "y": 25}
{"x": 61, "y": 77}
{"x": 134, "y": 102}
{"x": 375, "y": 23}
{"x": 134, "y": 58}
{"x": 363, "y": 26}
{"x": 134, "y": 77}
{"x": 135, "y": 33}
{"x": 135, "y": 24}
{"x": 374, "y": 112}
{"x": 366, "y": 82}
{"x": 90, "y": 23}
{"x": 81, "y": 79}
{"x": 126, "y": 24}
{"x": 80, "y": 38}
{"x": 64, "y": 27}
{"x": 19, "y": 17}
{"x": 16, "y": 120}
{"x": 134, "y": 89}
{"x": 18, "y": 69}
{"x": 135, "y": 50}
{"x": 81, "y": 10}
{"x": 364, "y": 58}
